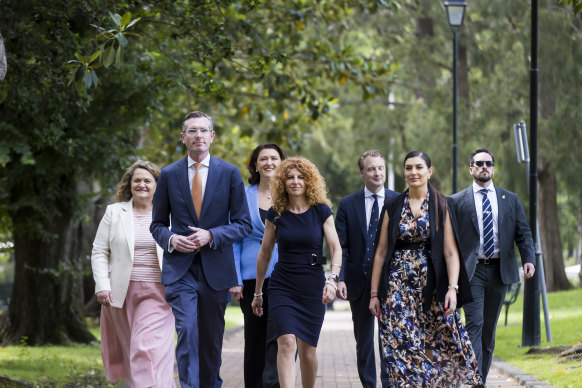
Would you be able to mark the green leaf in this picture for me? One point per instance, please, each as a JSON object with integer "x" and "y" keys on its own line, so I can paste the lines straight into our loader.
{"x": 81, "y": 58}
{"x": 95, "y": 56}
{"x": 119, "y": 57}
{"x": 578, "y": 8}
{"x": 121, "y": 39}
{"x": 116, "y": 19}
{"x": 71, "y": 78}
{"x": 27, "y": 159}
{"x": 100, "y": 29}
{"x": 132, "y": 23}
{"x": 125, "y": 19}
{"x": 94, "y": 78}
{"x": 109, "y": 56}
{"x": 87, "y": 80}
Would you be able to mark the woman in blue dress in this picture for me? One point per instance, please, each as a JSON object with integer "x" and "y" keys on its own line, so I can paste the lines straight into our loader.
{"x": 298, "y": 221}
{"x": 423, "y": 340}
{"x": 260, "y": 364}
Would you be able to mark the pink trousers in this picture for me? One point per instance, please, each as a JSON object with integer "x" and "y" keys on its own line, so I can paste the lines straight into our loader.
{"x": 137, "y": 341}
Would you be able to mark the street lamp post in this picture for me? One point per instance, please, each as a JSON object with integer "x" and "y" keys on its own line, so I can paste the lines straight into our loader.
{"x": 455, "y": 15}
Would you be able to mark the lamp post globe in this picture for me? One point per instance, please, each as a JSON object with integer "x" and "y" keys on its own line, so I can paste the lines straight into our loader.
{"x": 455, "y": 12}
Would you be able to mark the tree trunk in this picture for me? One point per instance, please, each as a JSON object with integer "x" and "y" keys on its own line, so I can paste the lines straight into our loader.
{"x": 46, "y": 306}
{"x": 579, "y": 258}
{"x": 555, "y": 271}
{"x": 3, "y": 62}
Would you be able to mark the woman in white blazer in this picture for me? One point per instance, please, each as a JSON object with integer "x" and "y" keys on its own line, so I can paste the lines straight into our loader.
{"x": 137, "y": 325}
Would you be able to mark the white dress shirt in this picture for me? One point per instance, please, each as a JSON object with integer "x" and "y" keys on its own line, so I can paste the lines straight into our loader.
{"x": 494, "y": 208}
{"x": 369, "y": 201}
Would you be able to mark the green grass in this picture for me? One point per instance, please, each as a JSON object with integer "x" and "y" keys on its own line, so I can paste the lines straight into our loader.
{"x": 233, "y": 317}
{"x": 565, "y": 309}
{"x": 54, "y": 366}
{"x": 57, "y": 366}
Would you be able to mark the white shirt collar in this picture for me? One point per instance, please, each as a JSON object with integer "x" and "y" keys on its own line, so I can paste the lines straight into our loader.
{"x": 490, "y": 188}
{"x": 368, "y": 193}
{"x": 205, "y": 162}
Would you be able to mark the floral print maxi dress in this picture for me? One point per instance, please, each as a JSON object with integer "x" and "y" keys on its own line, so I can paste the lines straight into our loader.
{"x": 407, "y": 332}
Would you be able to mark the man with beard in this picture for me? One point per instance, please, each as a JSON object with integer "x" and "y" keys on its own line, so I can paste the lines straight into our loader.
{"x": 488, "y": 220}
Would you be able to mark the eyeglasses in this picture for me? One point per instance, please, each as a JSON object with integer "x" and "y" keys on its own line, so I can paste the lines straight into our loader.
{"x": 192, "y": 132}
{"x": 480, "y": 163}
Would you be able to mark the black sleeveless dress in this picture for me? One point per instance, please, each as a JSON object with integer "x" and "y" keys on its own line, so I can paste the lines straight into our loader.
{"x": 296, "y": 285}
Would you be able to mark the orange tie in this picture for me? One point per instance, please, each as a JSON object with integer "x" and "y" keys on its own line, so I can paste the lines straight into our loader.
{"x": 197, "y": 190}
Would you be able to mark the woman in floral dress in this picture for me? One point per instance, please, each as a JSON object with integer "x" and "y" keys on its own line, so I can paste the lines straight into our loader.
{"x": 423, "y": 340}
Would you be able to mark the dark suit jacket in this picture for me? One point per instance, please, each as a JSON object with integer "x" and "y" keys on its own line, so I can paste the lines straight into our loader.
{"x": 437, "y": 275}
{"x": 225, "y": 213}
{"x": 512, "y": 226}
{"x": 352, "y": 228}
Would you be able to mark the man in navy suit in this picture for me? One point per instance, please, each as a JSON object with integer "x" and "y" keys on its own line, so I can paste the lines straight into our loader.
{"x": 356, "y": 225}
{"x": 200, "y": 210}
{"x": 488, "y": 221}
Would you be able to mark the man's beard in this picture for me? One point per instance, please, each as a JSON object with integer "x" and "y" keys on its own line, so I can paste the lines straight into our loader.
{"x": 483, "y": 179}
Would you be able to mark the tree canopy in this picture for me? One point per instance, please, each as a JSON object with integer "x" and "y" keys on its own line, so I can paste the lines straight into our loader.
{"x": 259, "y": 66}
{"x": 91, "y": 86}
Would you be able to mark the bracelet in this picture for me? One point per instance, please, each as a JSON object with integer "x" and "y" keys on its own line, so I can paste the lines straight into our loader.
{"x": 336, "y": 265}
{"x": 373, "y": 293}
{"x": 258, "y": 295}
{"x": 455, "y": 286}
{"x": 331, "y": 284}
{"x": 374, "y": 296}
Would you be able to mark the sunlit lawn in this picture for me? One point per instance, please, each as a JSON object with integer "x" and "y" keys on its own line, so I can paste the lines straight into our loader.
{"x": 60, "y": 365}
{"x": 565, "y": 310}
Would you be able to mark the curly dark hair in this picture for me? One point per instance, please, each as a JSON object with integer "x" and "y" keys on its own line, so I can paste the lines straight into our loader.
{"x": 123, "y": 191}
{"x": 252, "y": 166}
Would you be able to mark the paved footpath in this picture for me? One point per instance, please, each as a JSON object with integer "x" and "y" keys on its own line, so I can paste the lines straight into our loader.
{"x": 336, "y": 353}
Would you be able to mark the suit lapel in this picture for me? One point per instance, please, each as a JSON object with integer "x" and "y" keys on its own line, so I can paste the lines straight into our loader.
{"x": 211, "y": 184}
{"x": 184, "y": 186}
{"x": 501, "y": 211}
{"x": 360, "y": 209}
{"x": 126, "y": 217}
{"x": 470, "y": 205}
{"x": 253, "y": 199}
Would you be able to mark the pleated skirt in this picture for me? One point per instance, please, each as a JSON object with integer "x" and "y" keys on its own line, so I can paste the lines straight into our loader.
{"x": 137, "y": 341}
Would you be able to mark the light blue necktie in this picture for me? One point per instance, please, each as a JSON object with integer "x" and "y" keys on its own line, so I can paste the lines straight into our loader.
{"x": 371, "y": 236}
{"x": 487, "y": 225}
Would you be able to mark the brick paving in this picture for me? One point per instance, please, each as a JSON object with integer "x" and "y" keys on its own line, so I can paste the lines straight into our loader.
{"x": 337, "y": 358}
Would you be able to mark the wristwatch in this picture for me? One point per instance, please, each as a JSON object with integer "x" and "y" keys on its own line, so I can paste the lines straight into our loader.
{"x": 333, "y": 277}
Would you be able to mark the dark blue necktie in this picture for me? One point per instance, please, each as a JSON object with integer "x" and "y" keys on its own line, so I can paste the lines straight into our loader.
{"x": 371, "y": 236}
{"x": 487, "y": 225}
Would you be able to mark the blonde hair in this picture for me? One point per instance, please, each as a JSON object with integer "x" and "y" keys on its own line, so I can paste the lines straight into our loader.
{"x": 123, "y": 191}
{"x": 315, "y": 190}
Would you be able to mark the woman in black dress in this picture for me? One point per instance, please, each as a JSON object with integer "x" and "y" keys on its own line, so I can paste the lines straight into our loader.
{"x": 298, "y": 221}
